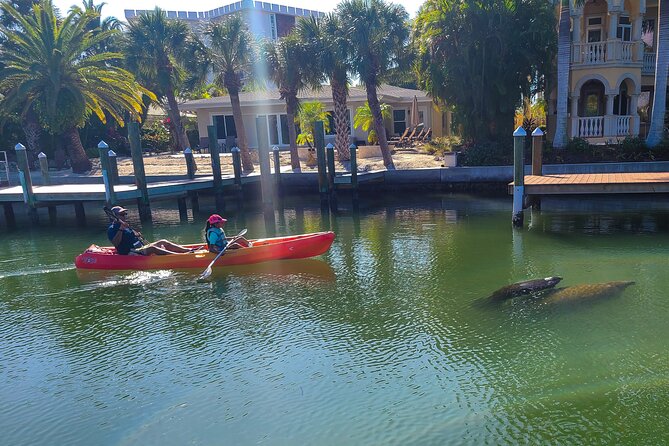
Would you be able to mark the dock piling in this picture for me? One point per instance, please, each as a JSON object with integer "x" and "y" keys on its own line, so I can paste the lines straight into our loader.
{"x": 277, "y": 168}
{"x": 46, "y": 181}
{"x": 9, "y": 215}
{"x": 190, "y": 163}
{"x": 330, "y": 156}
{"x": 319, "y": 142}
{"x": 110, "y": 195}
{"x": 113, "y": 167}
{"x": 214, "y": 153}
{"x": 354, "y": 170}
{"x": 143, "y": 204}
{"x": 518, "y": 176}
{"x": 80, "y": 213}
{"x": 263, "y": 156}
{"x": 237, "y": 169}
{"x": 183, "y": 209}
{"x": 26, "y": 182}
{"x": 537, "y": 168}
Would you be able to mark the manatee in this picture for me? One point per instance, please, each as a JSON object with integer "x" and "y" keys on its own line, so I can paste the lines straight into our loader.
{"x": 586, "y": 292}
{"x": 525, "y": 287}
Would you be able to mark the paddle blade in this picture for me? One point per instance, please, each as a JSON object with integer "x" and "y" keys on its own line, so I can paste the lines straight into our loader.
{"x": 205, "y": 275}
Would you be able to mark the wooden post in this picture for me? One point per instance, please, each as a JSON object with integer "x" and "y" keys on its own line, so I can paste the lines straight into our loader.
{"x": 330, "y": 156}
{"x": 354, "y": 166}
{"x": 9, "y": 215}
{"x": 26, "y": 181}
{"x": 46, "y": 181}
{"x": 80, "y": 213}
{"x": 44, "y": 168}
{"x": 183, "y": 209}
{"x": 190, "y": 163}
{"x": 537, "y": 145}
{"x": 214, "y": 153}
{"x": 143, "y": 204}
{"x": 277, "y": 168}
{"x": 263, "y": 156}
{"x": 237, "y": 169}
{"x": 518, "y": 176}
{"x": 110, "y": 195}
{"x": 319, "y": 142}
{"x": 113, "y": 167}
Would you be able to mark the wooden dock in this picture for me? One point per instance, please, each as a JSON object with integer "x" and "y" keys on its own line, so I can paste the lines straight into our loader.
{"x": 596, "y": 183}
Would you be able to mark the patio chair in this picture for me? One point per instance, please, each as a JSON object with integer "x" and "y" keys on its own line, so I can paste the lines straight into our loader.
{"x": 400, "y": 141}
{"x": 428, "y": 135}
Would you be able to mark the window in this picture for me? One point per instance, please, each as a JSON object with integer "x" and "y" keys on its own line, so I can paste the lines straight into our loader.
{"x": 285, "y": 140}
{"x": 273, "y": 128}
{"x": 624, "y": 31}
{"x": 592, "y": 105}
{"x": 399, "y": 121}
{"x": 421, "y": 119}
{"x": 594, "y": 29}
{"x": 277, "y": 129}
{"x": 225, "y": 126}
{"x": 272, "y": 27}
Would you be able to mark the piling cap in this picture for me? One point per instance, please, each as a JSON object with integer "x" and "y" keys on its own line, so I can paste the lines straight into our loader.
{"x": 520, "y": 131}
{"x": 102, "y": 145}
{"x": 111, "y": 153}
{"x": 275, "y": 148}
{"x": 329, "y": 146}
{"x": 352, "y": 147}
{"x": 41, "y": 155}
{"x": 19, "y": 146}
{"x": 188, "y": 150}
{"x": 235, "y": 149}
{"x": 537, "y": 132}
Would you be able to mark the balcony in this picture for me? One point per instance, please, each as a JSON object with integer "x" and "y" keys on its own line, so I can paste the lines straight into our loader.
{"x": 610, "y": 51}
{"x": 648, "y": 67}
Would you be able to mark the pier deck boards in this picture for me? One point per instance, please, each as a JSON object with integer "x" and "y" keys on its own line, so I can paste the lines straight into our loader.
{"x": 63, "y": 193}
{"x": 596, "y": 183}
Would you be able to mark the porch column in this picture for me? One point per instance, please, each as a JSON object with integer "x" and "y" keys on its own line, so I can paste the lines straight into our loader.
{"x": 635, "y": 123}
{"x": 577, "y": 44}
{"x": 609, "y": 119}
{"x": 574, "y": 116}
{"x": 637, "y": 24}
{"x": 613, "y": 44}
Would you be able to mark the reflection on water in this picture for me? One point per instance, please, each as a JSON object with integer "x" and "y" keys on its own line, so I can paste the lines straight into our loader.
{"x": 382, "y": 340}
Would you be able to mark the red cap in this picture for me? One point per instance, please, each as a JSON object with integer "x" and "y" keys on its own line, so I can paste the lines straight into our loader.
{"x": 215, "y": 218}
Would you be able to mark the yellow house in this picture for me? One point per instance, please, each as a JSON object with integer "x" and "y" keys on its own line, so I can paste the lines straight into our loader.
{"x": 611, "y": 72}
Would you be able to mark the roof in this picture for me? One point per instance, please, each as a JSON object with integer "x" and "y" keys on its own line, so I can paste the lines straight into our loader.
{"x": 387, "y": 93}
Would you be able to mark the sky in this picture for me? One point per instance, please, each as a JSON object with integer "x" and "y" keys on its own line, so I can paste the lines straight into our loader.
{"x": 115, "y": 7}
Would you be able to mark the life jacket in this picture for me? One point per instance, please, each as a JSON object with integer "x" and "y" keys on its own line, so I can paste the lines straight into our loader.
{"x": 218, "y": 236}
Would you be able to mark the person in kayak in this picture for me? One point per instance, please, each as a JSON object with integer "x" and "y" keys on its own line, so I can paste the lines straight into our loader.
{"x": 215, "y": 238}
{"x": 127, "y": 241}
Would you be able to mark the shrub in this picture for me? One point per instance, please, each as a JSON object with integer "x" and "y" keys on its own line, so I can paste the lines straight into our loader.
{"x": 578, "y": 145}
{"x": 633, "y": 145}
{"x": 437, "y": 146}
{"x": 486, "y": 153}
{"x": 156, "y": 136}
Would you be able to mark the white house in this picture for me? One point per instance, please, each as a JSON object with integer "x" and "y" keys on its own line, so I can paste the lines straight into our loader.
{"x": 218, "y": 111}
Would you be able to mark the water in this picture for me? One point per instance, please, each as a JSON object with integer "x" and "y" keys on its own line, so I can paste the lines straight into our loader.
{"x": 386, "y": 339}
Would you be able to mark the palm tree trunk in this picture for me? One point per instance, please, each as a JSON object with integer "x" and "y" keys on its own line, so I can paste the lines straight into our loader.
{"x": 78, "y": 158}
{"x": 33, "y": 132}
{"x": 242, "y": 143}
{"x": 340, "y": 119}
{"x": 291, "y": 109}
{"x": 564, "y": 50}
{"x": 370, "y": 86}
{"x": 656, "y": 132}
{"x": 175, "y": 117}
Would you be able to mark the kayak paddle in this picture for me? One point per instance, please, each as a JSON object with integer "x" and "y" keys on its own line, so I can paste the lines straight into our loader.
{"x": 111, "y": 215}
{"x": 207, "y": 272}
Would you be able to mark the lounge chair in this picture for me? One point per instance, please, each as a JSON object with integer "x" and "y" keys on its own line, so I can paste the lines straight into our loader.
{"x": 428, "y": 135}
{"x": 399, "y": 140}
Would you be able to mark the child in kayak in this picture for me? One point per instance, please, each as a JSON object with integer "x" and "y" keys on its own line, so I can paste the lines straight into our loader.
{"x": 215, "y": 238}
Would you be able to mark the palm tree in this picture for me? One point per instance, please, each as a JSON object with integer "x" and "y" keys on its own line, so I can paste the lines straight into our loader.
{"x": 564, "y": 52}
{"x": 159, "y": 51}
{"x": 289, "y": 70}
{"x": 656, "y": 131}
{"x": 377, "y": 33}
{"x": 327, "y": 45}
{"x": 309, "y": 113}
{"x": 364, "y": 119}
{"x": 51, "y": 68}
{"x": 232, "y": 55}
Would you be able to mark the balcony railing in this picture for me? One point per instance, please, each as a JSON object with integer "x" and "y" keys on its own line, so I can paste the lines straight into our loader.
{"x": 592, "y": 127}
{"x": 608, "y": 126}
{"x": 648, "y": 63}
{"x": 594, "y": 53}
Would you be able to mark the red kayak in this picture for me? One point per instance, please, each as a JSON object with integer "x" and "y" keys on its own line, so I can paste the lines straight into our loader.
{"x": 263, "y": 250}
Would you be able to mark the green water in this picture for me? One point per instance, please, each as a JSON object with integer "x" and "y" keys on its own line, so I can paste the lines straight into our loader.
{"x": 386, "y": 339}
